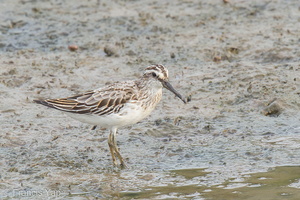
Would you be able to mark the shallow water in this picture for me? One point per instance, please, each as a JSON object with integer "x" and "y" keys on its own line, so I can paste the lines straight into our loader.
{"x": 278, "y": 183}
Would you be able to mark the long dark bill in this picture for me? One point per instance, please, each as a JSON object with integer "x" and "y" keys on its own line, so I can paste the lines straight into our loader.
{"x": 168, "y": 86}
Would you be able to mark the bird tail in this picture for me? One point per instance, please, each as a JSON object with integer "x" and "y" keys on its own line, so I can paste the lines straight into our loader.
{"x": 43, "y": 102}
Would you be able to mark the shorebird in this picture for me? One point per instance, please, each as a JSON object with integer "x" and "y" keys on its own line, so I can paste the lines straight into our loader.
{"x": 117, "y": 105}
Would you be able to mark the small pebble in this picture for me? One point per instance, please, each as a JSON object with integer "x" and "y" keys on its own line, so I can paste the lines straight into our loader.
{"x": 73, "y": 47}
{"x": 217, "y": 58}
{"x": 172, "y": 55}
{"x": 110, "y": 51}
{"x": 272, "y": 110}
{"x": 189, "y": 98}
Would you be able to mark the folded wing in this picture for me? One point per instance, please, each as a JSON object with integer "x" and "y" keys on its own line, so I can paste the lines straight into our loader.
{"x": 99, "y": 102}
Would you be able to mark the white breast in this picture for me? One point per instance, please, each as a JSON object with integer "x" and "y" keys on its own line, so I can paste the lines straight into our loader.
{"x": 131, "y": 113}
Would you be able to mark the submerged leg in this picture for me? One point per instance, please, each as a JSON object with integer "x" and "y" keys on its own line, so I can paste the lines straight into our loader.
{"x": 111, "y": 148}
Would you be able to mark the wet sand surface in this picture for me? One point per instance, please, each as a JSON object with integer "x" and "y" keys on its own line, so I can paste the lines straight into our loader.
{"x": 237, "y": 62}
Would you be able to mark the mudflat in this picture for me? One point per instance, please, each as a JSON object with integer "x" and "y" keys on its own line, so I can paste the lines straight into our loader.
{"x": 236, "y": 62}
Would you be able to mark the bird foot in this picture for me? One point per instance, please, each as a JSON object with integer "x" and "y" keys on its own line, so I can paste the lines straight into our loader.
{"x": 123, "y": 165}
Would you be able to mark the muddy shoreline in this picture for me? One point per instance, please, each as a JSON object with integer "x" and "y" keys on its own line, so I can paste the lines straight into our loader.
{"x": 237, "y": 61}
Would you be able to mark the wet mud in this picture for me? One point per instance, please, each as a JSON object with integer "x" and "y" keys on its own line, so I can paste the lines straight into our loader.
{"x": 237, "y": 63}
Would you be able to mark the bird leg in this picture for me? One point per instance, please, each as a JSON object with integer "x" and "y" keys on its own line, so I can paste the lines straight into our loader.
{"x": 122, "y": 162}
{"x": 114, "y": 150}
{"x": 111, "y": 148}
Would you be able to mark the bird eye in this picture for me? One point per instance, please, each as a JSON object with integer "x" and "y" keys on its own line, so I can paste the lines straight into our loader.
{"x": 153, "y": 74}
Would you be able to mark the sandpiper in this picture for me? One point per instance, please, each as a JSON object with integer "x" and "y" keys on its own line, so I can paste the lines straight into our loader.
{"x": 117, "y": 105}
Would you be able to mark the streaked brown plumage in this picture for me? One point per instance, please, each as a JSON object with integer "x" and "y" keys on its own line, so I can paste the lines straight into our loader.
{"x": 116, "y": 105}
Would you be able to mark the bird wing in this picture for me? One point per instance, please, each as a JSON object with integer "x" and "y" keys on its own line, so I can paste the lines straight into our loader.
{"x": 101, "y": 101}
